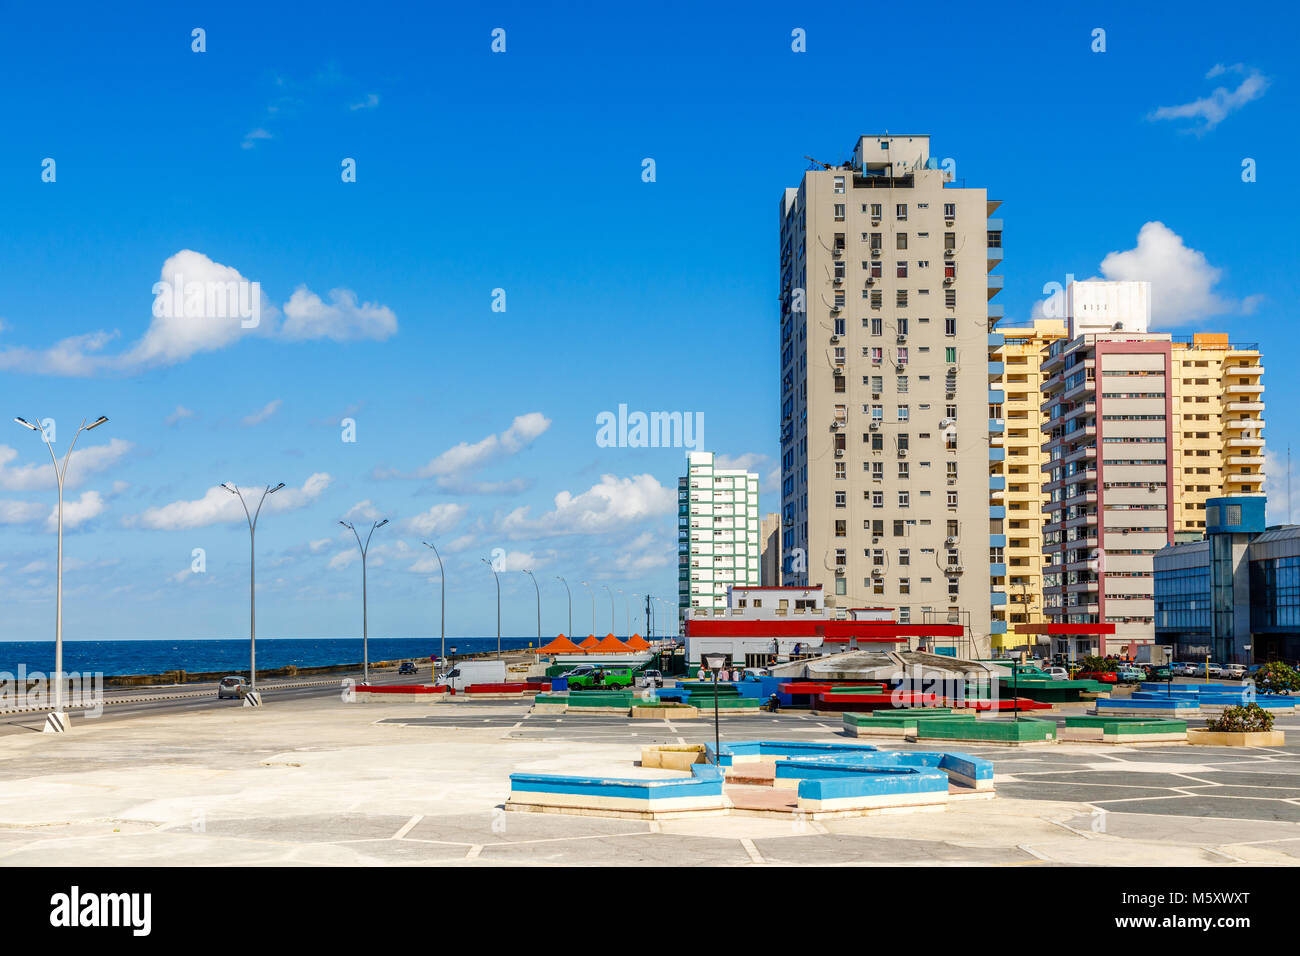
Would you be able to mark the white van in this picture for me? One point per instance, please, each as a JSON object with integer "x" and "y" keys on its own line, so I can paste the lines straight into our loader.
{"x": 474, "y": 672}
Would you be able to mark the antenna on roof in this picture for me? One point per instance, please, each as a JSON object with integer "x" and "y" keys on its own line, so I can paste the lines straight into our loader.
{"x": 818, "y": 162}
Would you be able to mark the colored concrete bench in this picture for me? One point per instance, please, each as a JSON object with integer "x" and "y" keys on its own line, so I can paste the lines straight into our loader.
{"x": 618, "y": 795}
{"x": 896, "y": 723}
{"x": 1113, "y": 729}
{"x": 995, "y": 730}
{"x": 750, "y": 751}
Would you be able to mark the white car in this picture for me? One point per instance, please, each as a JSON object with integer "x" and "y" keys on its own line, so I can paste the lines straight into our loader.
{"x": 1235, "y": 671}
{"x": 1057, "y": 673}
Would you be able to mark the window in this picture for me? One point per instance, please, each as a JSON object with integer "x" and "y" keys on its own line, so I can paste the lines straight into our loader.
{"x": 877, "y": 499}
{"x": 839, "y": 327}
{"x": 902, "y": 270}
{"x": 841, "y": 529}
{"x": 877, "y": 327}
{"x": 875, "y": 210}
{"x": 900, "y": 240}
{"x": 902, "y": 413}
{"x": 902, "y": 356}
{"x": 902, "y": 326}
{"x": 900, "y": 211}
{"x": 839, "y": 184}
{"x": 841, "y": 499}
{"x": 950, "y": 326}
{"x": 950, "y": 355}
{"x": 904, "y": 557}
{"x": 952, "y": 470}
{"x": 841, "y": 586}
{"x": 900, "y": 527}
{"x": 950, "y": 298}
{"x": 878, "y": 470}
{"x": 877, "y": 356}
{"x": 952, "y": 499}
{"x": 901, "y": 298}
{"x": 840, "y": 471}
{"x": 877, "y": 413}
{"x": 904, "y": 585}
{"x": 901, "y": 381}
{"x": 839, "y": 212}
{"x": 904, "y": 470}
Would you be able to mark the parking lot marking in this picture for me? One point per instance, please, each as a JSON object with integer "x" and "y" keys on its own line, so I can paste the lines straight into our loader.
{"x": 754, "y": 855}
{"x": 408, "y": 826}
{"x": 474, "y": 851}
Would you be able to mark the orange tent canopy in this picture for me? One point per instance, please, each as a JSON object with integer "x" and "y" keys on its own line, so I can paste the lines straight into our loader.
{"x": 609, "y": 644}
{"x": 561, "y": 645}
{"x": 637, "y": 642}
{"x": 590, "y": 642}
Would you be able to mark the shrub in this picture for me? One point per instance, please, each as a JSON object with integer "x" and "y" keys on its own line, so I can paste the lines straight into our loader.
{"x": 1100, "y": 664}
{"x": 1241, "y": 720}
{"x": 1277, "y": 677}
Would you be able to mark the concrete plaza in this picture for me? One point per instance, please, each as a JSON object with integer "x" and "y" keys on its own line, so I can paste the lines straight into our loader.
{"x": 316, "y": 781}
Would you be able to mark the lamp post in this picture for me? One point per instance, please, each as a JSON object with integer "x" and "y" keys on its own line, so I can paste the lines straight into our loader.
{"x": 252, "y": 576}
{"x": 497, "y": 578}
{"x": 593, "y": 606}
{"x": 57, "y": 722}
{"x": 442, "y": 618}
{"x": 611, "y": 607}
{"x": 714, "y": 662}
{"x": 365, "y": 627}
{"x": 570, "y": 594}
{"x": 539, "y": 606}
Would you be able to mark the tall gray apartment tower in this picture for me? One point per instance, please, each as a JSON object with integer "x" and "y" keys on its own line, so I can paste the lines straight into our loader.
{"x": 885, "y": 427}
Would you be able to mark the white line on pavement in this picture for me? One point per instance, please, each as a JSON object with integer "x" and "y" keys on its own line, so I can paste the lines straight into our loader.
{"x": 408, "y": 826}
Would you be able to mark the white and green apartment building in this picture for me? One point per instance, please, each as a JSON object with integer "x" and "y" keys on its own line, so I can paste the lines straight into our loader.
{"x": 718, "y": 534}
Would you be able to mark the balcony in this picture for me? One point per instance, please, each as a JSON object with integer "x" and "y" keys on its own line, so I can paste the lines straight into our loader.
{"x": 1245, "y": 460}
{"x": 995, "y": 310}
{"x": 997, "y": 598}
{"x": 995, "y": 285}
{"x": 1243, "y": 369}
{"x": 996, "y": 426}
{"x": 996, "y": 370}
{"x": 1245, "y": 443}
{"x": 1243, "y": 424}
{"x": 1243, "y": 388}
{"x": 1245, "y": 406}
{"x": 997, "y": 541}
{"x": 997, "y": 454}
{"x": 996, "y": 397}
{"x": 997, "y": 512}
{"x": 997, "y": 570}
{"x": 997, "y": 483}
{"x": 996, "y": 340}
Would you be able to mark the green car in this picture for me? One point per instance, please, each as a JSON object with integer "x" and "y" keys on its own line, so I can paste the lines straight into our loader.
{"x": 604, "y": 677}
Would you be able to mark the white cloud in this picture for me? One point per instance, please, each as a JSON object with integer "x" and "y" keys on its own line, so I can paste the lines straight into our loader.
{"x": 21, "y": 512}
{"x": 1209, "y": 111}
{"x": 645, "y": 553}
{"x": 220, "y": 307}
{"x": 86, "y": 461}
{"x": 218, "y": 506}
{"x": 363, "y": 511}
{"x": 769, "y": 477}
{"x": 180, "y": 415}
{"x": 319, "y": 545}
{"x": 89, "y": 505}
{"x": 453, "y": 466}
{"x": 1182, "y": 279}
{"x": 252, "y": 136}
{"x": 370, "y": 102}
{"x": 611, "y": 504}
{"x": 1278, "y": 506}
{"x": 439, "y": 519}
{"x": 342, "y": 559}
{"x": 262, "y": 414}
{"x": 306, "y": 316}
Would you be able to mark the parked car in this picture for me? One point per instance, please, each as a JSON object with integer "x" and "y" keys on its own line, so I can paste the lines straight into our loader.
{"x": 1158, "y": 672}
{"x": 650, "y": 678}
{"x": 406, "y": 668}
{"x": 616, "y": 677}
{"x": 1208, "y": 669}
{"x": 1183, "y": 669}
{"x": 1235, "y": 671}
{"x": 1057, "y": 673}
{"x": 233, "y": 686}
{"x": 754, "y": 673}
{"x": 1102, "y": 677}
{"x": 1130, "y": 675}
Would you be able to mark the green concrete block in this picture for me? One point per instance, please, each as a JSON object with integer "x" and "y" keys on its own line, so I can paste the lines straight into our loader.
{"x": 995, "y": 730}
{"x": 1129, "y": 725}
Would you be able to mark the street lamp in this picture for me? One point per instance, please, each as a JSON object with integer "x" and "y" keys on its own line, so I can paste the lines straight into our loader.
{"x": 493, "y": 569}
{"x": 365, "y": 627}
{"x": 593, "y": 606}
{"x": 539, "y": 606}
{"x": 252, "y": 579}
{"x": 611, "y": 607}
{"x": 715, "y": 662}
{"x": 442, "y": 623}
{"x": 570, "y": 594}
{"x": 57, "y": 722}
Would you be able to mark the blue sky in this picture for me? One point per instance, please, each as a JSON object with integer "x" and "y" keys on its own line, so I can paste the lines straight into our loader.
{"x": 522, "y": 171}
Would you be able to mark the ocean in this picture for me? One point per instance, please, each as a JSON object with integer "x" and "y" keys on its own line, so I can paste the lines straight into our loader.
{"x": 112, "y": 658}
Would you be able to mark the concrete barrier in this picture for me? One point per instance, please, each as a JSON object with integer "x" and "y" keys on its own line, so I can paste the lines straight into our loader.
{"x": 1112, "y": 729}
{"x": 611, "y": 796}
{"x": 996, "y": 730}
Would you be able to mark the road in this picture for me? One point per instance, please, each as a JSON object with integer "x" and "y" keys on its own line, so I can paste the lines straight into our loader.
{"x": 123, "y": 703}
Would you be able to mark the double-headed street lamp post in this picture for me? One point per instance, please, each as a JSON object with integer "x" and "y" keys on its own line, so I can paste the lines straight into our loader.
{"x": 593, "y": 606}
{"x": 442, "y": 621}
{"x": 498, "y": 580}
{"x": 365, "y": 627}
{"x": 252, "y": 574}
{"x": 57, "y": 722}
{"x": 570, "y": 594}
{"x": 611, "y": 607}
{"x": 539, "y": 606}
